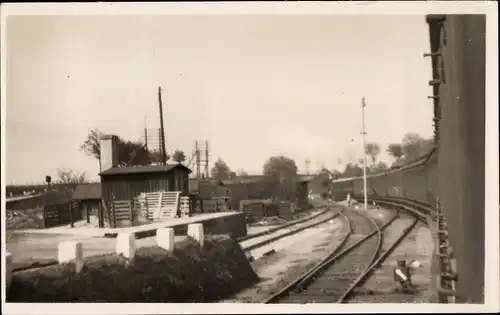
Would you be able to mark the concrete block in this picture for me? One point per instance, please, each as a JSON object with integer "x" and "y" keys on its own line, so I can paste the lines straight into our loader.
{"x": 195, "y": 230}
{"x": 165, "y": 238}
{"x": 8, "y": 269}
{"x": 125, "y": 245}
{"x": 71, "y": 251}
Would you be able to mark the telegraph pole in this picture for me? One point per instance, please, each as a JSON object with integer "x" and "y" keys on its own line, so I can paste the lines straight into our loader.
{"x": 363, "y": 133}
{"x": 162, "y": 132}
{"x": 145, "y": 133}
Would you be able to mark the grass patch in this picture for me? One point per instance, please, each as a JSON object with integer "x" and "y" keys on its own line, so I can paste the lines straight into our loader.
{"x": 24, "y": 219}
{"x": 188, "y": 275}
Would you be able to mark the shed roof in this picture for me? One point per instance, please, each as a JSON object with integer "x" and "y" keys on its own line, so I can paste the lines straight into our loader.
{"x": 143, "y": 169}
{"x": 87, "y": 191}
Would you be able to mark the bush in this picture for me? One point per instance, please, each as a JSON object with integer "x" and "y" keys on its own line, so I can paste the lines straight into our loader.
{"x": 188, "y": 275}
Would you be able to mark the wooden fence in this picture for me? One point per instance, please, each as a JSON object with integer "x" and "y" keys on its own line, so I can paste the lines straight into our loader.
{"x": 61, "y": 214}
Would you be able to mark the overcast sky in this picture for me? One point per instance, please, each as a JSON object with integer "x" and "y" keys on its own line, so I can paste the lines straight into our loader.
{"x": 254, "y": 86}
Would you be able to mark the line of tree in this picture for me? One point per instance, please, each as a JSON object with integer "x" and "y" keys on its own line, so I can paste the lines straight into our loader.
{"x": 282, "y": 168}
{"x": 411, "y": 148}
{"x": 279, "y": 168}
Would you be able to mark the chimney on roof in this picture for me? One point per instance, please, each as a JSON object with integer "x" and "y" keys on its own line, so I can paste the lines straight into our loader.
{"x": 109, "y": 152}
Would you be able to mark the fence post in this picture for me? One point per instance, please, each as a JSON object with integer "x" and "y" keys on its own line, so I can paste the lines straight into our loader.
{"x": 147, "y": 206}
{"x": 125, "y": 245}
{"x": 100, "y": 214}
{"x": 131, "y": 211}
{"x": 45, "y": 225}
{"x": 159, "y": 210}
{"x": 71, "y": 214}
{"x": 108, "y": 213}
{"x": 113, "y": 213}
{"x": 195, "y": 230}
{"x": 71, "y": 251}
{"x": 87, "y": 212}
{"x": 165, "y": 238}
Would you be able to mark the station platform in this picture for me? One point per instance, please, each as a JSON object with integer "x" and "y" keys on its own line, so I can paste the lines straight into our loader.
{"x": 232, "y": 223}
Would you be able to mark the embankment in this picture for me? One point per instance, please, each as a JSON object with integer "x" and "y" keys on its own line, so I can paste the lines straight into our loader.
{"x": 189, "y": 274}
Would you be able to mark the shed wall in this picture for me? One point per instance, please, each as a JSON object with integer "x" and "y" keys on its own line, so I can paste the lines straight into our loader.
{"x": 125, "y": 187}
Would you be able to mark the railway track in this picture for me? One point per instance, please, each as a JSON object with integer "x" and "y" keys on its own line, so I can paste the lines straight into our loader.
{"x": 360, "y": 294}
{"x": 335, "y": 277}
{"x": 268, "y": 237}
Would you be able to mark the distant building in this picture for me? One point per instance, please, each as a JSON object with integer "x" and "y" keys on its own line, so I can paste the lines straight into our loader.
{"x": 252, "y": 187}
{"x": 89, "y": 196}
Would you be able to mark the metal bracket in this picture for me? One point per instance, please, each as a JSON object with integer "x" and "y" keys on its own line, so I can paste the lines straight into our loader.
{"x": 448, "y": 292}
{"x": 432, "y": 54}
{"x": 435, "y": 18}
{"x": 453, "y": 276}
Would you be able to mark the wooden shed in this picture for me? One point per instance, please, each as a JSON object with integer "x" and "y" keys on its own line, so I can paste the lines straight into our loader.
{"x": 89, "y": 197}
{"x": 125, "y": 183}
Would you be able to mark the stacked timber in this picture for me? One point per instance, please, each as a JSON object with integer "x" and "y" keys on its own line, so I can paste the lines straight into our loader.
{"x": 161, "y": 205}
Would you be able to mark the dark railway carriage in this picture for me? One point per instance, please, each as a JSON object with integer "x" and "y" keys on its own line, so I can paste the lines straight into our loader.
{"x": 459, "y": 64}
{"x": 454, "y": 171}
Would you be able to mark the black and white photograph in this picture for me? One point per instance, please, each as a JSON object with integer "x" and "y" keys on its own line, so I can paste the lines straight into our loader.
{"x": 230, "y": 156}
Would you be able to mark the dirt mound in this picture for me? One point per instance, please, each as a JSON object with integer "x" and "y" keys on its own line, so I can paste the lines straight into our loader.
{"x": 190, "y": 274}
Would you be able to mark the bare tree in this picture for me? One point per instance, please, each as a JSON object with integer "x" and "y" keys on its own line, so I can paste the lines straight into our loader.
{"x": 70, "y": 177}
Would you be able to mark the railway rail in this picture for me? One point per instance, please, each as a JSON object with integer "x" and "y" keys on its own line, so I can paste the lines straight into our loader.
{"x": 436, "y": 221}
{"x": 369, "y": 295}
{"x": 262, "y": 239}
{"x": 334, "y": 278}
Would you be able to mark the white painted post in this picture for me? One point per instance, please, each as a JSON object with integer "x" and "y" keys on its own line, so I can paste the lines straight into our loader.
{"x": 8, "y": 271}
{"x": 195, "y": 230}
{"x": 165, "y": 238}
{"x": 71, "y": 251}
{"x": 125, "y": 245}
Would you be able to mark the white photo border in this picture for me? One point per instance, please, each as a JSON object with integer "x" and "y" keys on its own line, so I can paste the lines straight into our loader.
{"x": 490, "y": 8}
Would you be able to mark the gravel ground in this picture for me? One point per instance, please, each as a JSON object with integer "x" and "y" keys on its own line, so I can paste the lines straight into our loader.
{"x": 294, "y": 256}
{"x": 380, "y": 286}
